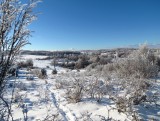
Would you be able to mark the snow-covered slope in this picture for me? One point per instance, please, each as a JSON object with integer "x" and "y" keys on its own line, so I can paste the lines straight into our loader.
{"x": 41, "y": 100}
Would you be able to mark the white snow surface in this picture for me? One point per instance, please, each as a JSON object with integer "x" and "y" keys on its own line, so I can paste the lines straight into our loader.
{"x": 42, "y": 99}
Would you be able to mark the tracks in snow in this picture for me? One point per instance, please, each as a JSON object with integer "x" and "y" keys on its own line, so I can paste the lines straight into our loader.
{"x": 63, "y": 110}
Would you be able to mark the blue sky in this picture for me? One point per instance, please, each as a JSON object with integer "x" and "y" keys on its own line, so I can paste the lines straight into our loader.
{"x": 95, "y": 24}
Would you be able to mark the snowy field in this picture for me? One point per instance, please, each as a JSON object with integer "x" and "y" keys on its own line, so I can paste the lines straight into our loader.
{"x": 45, "y": 100}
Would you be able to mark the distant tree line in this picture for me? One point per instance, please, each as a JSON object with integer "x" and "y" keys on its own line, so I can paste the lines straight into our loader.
{"x": 51, "y": 53}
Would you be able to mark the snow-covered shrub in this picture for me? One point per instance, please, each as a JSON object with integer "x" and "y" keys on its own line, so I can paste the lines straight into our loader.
{"x": 74, "y": 95}
{"x": 109, "y": 68}
{"x": 21, "y": 64}
{"x": 144, "y": 63}
{"x": 54, "y": 62}
{"x": 36, "y": 72}
{"x": 47, "y": 67}
{"x": 91, "y": 66}
{"x": 99, "y": 68}
{"x": 82, "y": 62}
{"x": 158, "y": 62}
{"x": 96, "y": 89}
{"x": 62, "y": 83}
{"x": 58, "y": 85}
{"x": 140, "y": 64}
{"x": 75, "y": 92}
{"x": 13, "y": 70}
{"x": 54, "y": 71}
{"x": 40, "y": 73}
{"x": 121, "y": 104}
{"x": 25, "y": 64}
{"x": 43, "y": 73}
{"x": 133, "y": 93}
{"x": 70, "y": 65}
{"x": 29, "y": 63}
{"x": 94, "y": 59}
{"x": 138, "y": 94}
{"x": 105, "y": 60}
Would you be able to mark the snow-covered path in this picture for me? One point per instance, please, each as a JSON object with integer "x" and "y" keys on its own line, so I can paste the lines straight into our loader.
{"x": 64, "y": 111}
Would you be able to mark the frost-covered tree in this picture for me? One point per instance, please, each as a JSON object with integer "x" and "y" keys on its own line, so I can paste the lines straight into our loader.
{"x": 15, "y": 16}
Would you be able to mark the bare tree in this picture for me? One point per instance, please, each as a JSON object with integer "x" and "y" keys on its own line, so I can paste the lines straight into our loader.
{"x": 14, "y": 34}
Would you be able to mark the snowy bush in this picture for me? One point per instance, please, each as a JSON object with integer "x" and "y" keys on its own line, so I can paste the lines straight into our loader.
{"x": 96, "y": 89}
{"x": 109, "y": 68}
{"x": 105, "y": 60}
{"x": 82, "y": 62}
{"x": 74, "y": 95}
{"x": 144, "y": 63}
{"x": 130, "y": 78}
{"x": 29, "y": 63}
{"x": 13, "y": 71}
{"x": 138, "y": 68}
{"x": 59, "y": 85}
{"x": 91, "y": 66}
{"x": 132, "y": 93}
{"x": 47, "y": 67}
{"x": 62, "y": 83}
{"x": 121, "y": 104}
{"x": 36, "y": 72}
{"x": 95, "y": 59}
{"x": 25, "y": 64}
{"x": 140, "y": 64}
{"x": 158, "y": 62}
{"x": 21, "y": 64}
{"x": 75, "y": 92}
{"x": 43, "y": 73}
{"x": 54, "y": 62}
{"x": 54, "y": 71}
{"x": 40, "y": 73}
{"x": 84, "y": 86}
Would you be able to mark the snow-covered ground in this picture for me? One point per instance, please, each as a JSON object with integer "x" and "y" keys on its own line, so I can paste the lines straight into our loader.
{"x": 42, "y": 100}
